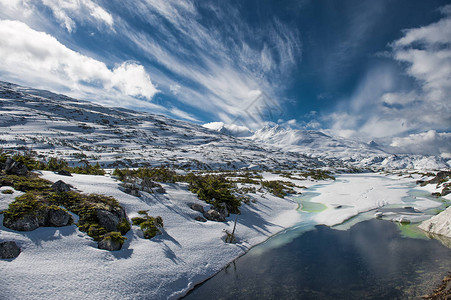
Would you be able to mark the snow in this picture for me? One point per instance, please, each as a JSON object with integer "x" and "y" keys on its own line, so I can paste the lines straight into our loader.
{"x": 55, "y": 125}
{"x": 439, "y": 224}
{"x": 59, "y": 263}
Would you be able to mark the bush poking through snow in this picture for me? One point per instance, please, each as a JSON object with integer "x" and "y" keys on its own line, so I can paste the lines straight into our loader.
{"x": 149, "y": 225}
{"x": 40, "y": 206}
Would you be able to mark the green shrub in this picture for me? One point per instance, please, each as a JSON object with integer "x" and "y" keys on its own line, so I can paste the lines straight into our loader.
{"x": 214, "y": 189}
{"x": 26, "y": 183}
{"x": 115, "y": 236}
{"x": 8, "y": 191}
{"x": 160, "y": 174}
{"x": 149, "y": 225}
{"x": 123, "y": 226}
{"x": 27, "y": 204}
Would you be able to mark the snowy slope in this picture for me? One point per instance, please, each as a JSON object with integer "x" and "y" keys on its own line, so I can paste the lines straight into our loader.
{"x": 56, "y": 125}
{"x": 350, "y": 152}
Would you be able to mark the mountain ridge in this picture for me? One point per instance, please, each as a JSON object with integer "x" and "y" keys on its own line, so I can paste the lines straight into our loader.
{"x": 56, "y": 125}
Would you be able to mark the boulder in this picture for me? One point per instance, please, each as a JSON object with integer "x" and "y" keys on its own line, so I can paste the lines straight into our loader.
{"x": 200, "y": 219}
{"x": 64, "y": 173}
{"x": 26, "y": 223}
{"x": 60, "y": 186}
{"x": 110, "y": 244}
{"x": 9, "y": 250}
{"x": 214, "y": 215}
{"x": 197, "y": 207}
{"x": 58, "y": 217}
{"x": 222, "y": 209}
{"x": 15, "y": 168}
{"x": 108, "y": 220}
{"x": 159, "y": 190}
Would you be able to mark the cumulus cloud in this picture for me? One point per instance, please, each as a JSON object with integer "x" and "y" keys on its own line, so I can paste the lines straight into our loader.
{"x": 379, "y": 108}
{"x": 33, "y": 54}
{"x": 431, "y": 142}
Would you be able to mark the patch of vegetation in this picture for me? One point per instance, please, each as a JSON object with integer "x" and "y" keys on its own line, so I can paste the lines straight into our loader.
{"x": 8, "y": 191}
{"x": 278, "y": 188}
{"x": 115, "y": 236}
{"x": 31, "y": 182}
{"x": 149, "y": 225}
{"x": 318, "y": 174}
{"x": 214, "y": 189}
{"x": 53, "y": 164}
{"x": 27, "y": 204}
{"x": 160, "y": 174}
{"x": 39, "y": 197}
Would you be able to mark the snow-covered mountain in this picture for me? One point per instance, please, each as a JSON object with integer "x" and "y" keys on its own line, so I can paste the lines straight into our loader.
{"x": 56, "y": 125}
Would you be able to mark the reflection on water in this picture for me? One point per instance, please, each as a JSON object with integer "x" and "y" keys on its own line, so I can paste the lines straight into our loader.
{"x": 370, "y": 260}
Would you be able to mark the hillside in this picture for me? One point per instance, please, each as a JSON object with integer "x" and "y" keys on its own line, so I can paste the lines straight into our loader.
{"x": 56, "y": 125}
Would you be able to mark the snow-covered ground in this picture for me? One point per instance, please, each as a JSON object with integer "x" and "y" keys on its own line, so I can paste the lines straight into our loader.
{"x": 64, "y": 263}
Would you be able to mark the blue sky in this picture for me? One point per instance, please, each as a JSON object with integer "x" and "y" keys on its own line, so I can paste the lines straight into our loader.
{"x": 376, "y": 70}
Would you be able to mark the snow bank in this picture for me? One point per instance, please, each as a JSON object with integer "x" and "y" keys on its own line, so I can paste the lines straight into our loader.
{"x": 439, "y": 224}
{"x": 64, "y": 263}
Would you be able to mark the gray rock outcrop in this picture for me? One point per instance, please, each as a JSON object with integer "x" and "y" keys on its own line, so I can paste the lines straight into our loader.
{"x": 200, "y": 219}
{"x": 64, "y": 173}
{"x": 108, "y": 220}
{"x": 15, "y": 168}
{"x": 8, "y": 250}
{"x": 214, "y": 215}
{"x": 110, "y": 244}
{"x": 57, "y": 217}
{"x": 197, "y": 207}
{"x": 60, "y": 186}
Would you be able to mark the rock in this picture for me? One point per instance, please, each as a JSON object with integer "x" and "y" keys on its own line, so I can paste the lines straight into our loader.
{"x": 58, "y": 217}
{"x": 159, "y": 189}
{"x": 26, "y": 223}
{"x": 64, "y": 173}
{"x": 15, "y": 168}
{"x": 402, "y": 220}
{"x": 60, "y": 186}
{"x": 197, "y": 207}
{"x": 9, "y": 250}
{"x": 108, "y": 220}
{"x": 214, "y": 215}
{"x": 110, "y": 244}
{"x": 378, "y": 215}
{"x": 222, "y": 209}
{"x": 200, "y": 219}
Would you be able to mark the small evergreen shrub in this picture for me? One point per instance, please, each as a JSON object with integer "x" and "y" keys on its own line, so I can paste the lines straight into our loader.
{"x": 8, "y": 191}
{"x": 149, "y": 225}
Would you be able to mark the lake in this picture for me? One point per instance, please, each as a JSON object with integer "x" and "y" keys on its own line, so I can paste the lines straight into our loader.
{"x": 371, "y": 260}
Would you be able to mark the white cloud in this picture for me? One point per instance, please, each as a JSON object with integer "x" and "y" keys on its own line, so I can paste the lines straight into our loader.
{"x": 37, "y": 56}
{"x": 381, "y": 106}
{"x": 431, "y": 142}
{"x": 65, "y": 11}
{"x": 184, "y": 115}
{"x": 217, "y": 70}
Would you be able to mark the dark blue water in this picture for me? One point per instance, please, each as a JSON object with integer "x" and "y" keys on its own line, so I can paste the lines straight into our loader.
{"x": 369, "y": 261}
